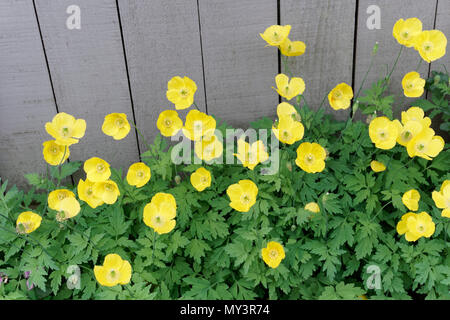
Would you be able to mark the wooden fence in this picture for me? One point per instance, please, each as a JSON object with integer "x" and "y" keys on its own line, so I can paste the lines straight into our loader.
{"x": 125, "y": 51}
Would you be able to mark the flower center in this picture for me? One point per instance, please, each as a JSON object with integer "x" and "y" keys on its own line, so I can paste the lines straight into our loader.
{"x": 158, "y": 221}
{"x": 420, "y": 147}
{"x": 286, "y": 134}
{"x": 184, "y": 92}
{"x": 61, "y": 196}
{"x": 23, "y": 227}
{"x": 120, "y": 123}
{"x": 337, "y": 94}
{"x": 309, "y": 158}
{"x": 405, "y": 35}
{"x": 113, "y": 275}
{"x": 89, "y": 191}
{"x": 54, "y": 150}
{"x": 273, "y": 254}
{"x": 65, "y": 131}
{"x": 168, "y": 123}
{"x": 245, "y": 199}
{"x": 108, "y": 187}
{"x": 382, "y": 134}
{"x": 100, "y": 167}
{"x": 407, "y": 135}
{"x": 140, "y": 174}
{"x": 421, "y": 228}
{"x": 203, "y": 180}
{"x": 427, "y": 46}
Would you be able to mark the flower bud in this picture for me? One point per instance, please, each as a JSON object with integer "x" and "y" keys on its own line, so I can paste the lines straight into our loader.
{"x": 298, "y": 99}
{"x": 289, "y": 166}
{"x": 375, "y": 48}
{"x": 437, "y": 79}
{"x": 177, "y": 179}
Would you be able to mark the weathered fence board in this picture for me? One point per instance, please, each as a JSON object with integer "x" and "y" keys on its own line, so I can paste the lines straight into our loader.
{"x": 239, "y": 70}
{"x": 89, "y": 76}
{"x": 391, "y": 11}
{"x": 327, "y": 28}
{"x": 126, "y": 51}
{"x": 443, "y": 24}
{"x": 26, "y": 98}
{"x": 162, "y": 40}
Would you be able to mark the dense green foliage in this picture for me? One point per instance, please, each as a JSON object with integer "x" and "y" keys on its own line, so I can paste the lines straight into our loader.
{"x": 214, "y": 252}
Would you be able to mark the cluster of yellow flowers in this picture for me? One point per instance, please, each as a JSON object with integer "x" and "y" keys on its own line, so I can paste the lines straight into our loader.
{"x": 277, "y": 36}
{"x": 431, "y": 45}
{"x": 413, "y": 132}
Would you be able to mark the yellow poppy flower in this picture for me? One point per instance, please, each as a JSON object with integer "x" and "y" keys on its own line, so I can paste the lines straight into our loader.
{"x": 114, "y": 271}
{"x": 383, "y": 133}
{"x": 97, "y": 169}
{"x": 66, "y": 129}
{"x": 311, "y": 157}
{"x": 413, "y": 85}
{"x": 407, "y": 131}
{"x": 288, "y": 130}
{"x": 340, "y": 96}
{"x": 116, "y": 125}
{"x": 55, "y": 154}
{"x": 411, "y": 199}
{"x": 313, "y": 207}
{"x": 68, "y": 208}
{"x": 287, "y": 109}
{"x": 107, "y": 191}
{"x": 292, "y": 48}
{"x": 275, "y": 35}
{"x": 273, "y": 254}
{"x": 27, "y": 222}
{"x": 251, "y": 155}
{"x": 138, "y": 174}
{"x": 199, "y": 125}
{"x": 201, "y": 179}
{"x": 406, "y": 31}
{"x": 377, "y": 166}
{"x": 425, "y": 145}
{"x": 56, "y": 196}
{"x": 169, "y": 123}
{"x": 242, "y": 195}
{"x": 181, "y": 91}
{"x": 160, "y": 213}
{"x": 208, "y": 149}
{"x": 289, "y": 89}
{"x": 442, "y": 198}
{"x": 431, "y": 45}
{"x": 416, "y": 114}
{"x": 85, "y": 191}
{"x": 415, "y": 226}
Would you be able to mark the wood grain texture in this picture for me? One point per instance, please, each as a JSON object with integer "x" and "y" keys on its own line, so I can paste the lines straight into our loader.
{"x": 327, "y": 28}
{"x": 239, "y": 70}
{"x": 443, "y": 24}
{"x": 89, "y": 75}
{"x": 26, "y": 98}
{"x": 162, "y": 40}
{"x": 391, "y": 11}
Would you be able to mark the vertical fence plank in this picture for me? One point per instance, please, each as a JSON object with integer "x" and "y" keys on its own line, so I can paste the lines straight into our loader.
{"x": 162, "y": 40}
{"x": 443, "y": 24}
{"x": 26, "y": 98}
{"x": 239, "y": 70}
{"x": 391, "y": 11}
{"x": 89, "y": 75}
{"x": 327, "y": 27}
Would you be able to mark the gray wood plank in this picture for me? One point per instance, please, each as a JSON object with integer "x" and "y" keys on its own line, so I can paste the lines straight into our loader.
{"x": 162, "y": 40}
{"x": 239, "y": 70}
{"x": 391, "y": 11}
{"x": 443, "y": 24}
{"x": 327, "y": 28}
{"x": 26, "y": 98}
{"x": 89, "y": 75}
